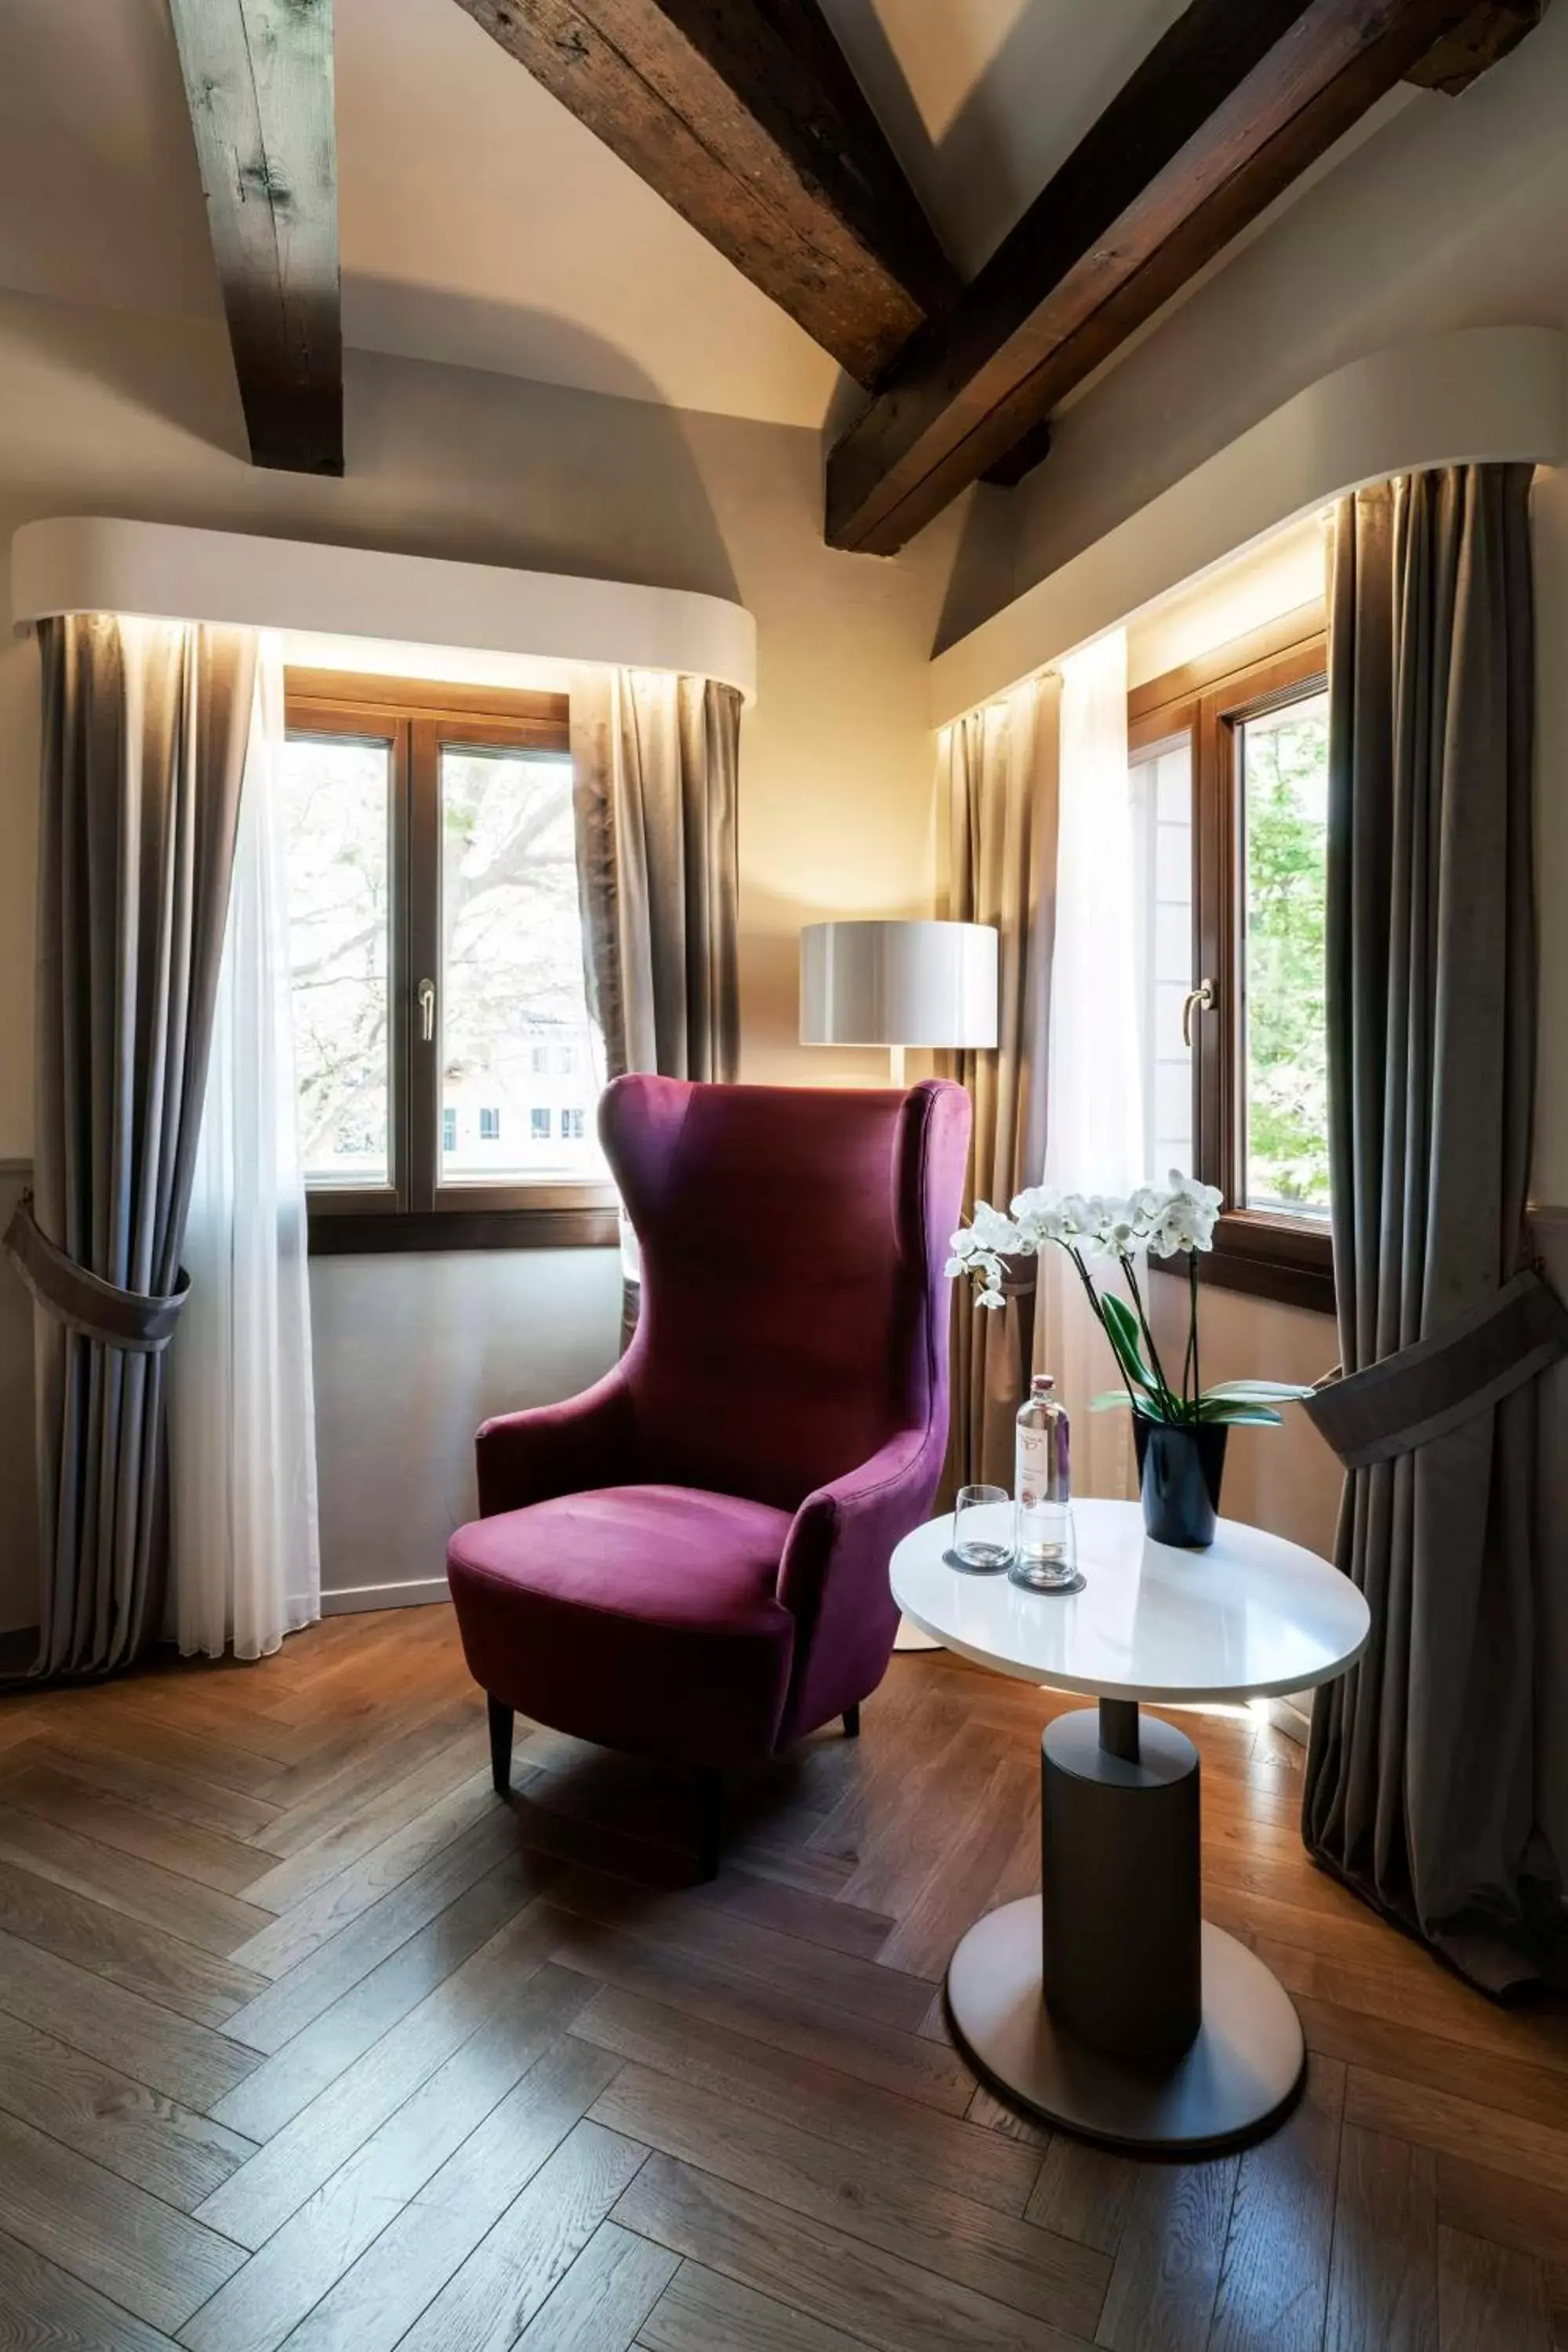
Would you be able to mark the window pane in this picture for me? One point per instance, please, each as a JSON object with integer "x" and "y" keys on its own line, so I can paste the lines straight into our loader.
{"x": 1284, "y": 798}
{"x": 1163, "y": 848}
{"x": 337, "y": 812}
{"x": 518, "y": 1057}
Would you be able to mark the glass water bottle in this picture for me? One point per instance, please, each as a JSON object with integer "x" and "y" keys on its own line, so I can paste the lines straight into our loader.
{"x": 1045, "y": 1555}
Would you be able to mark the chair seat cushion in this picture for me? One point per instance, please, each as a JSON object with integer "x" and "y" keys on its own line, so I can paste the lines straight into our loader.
{"x": 643, "y": 1618}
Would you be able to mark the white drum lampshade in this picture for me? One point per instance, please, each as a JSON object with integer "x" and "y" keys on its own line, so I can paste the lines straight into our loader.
{"x": 898, "y": 984}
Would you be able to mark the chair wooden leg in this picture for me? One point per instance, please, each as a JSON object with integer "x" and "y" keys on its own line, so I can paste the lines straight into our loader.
{"x": 500, "y": 1747}
{"x": 710, "y": 1818}
{"x": 852, "y": 1721}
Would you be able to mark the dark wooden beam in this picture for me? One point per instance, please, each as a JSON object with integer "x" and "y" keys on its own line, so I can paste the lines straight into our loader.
{"x": 1486, "y": 34}
{"x": 258, "y": 82}
{"x": 1231, "y": 105}
{"x": 1022, "y": 458}
{"x": 747, "y": 119}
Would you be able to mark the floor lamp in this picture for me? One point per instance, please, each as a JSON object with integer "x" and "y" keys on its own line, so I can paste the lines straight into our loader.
{"x": 899, "y": 984}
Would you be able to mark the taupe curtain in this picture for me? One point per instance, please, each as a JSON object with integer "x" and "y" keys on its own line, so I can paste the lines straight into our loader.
{"x": 655, "y": 762}
{"x": 145, "y": 726}
{"x": 1423, "y": 1785}
{"x": 999, "y": 779}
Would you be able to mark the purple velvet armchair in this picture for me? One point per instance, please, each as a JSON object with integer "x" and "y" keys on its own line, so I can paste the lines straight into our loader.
{"x": 689, "y": 1561}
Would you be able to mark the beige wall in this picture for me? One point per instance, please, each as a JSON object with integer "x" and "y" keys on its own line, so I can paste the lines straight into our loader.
{"x": 411, "y": 1353}
{"x": 107, "y": 412}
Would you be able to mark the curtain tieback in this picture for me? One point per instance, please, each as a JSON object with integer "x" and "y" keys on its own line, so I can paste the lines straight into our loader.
{"x": 98, "y": 1310}
{"x": 1423, "y": 1391}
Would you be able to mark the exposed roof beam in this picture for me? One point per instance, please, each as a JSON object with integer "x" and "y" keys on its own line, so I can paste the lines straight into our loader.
{"x": 1486, "y": 34}
{"x": 258, "y": 82}
{"x": 747, "y": 119}
{"x": 1231, "y": 105}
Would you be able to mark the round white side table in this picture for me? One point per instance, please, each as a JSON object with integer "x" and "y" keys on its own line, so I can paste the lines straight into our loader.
{"x": 1106, "y": 2004}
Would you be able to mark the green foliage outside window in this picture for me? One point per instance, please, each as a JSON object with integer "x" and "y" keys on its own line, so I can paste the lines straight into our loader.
{"x": 1284, "y": 789}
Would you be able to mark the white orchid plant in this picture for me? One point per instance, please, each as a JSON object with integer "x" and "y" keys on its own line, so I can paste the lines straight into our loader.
{"x": 1174, "y": 1220}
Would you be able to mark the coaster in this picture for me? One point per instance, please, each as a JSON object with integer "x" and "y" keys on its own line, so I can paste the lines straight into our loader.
{"x": 1050, "y": 1591}
{"x": 967, "y": 1567}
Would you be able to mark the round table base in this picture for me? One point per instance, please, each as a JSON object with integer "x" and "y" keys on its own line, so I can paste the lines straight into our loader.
{"x": 1231, "y": 2086}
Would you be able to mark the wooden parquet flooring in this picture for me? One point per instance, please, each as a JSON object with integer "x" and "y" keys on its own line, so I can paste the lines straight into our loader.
{"x": 307, "y": 2040}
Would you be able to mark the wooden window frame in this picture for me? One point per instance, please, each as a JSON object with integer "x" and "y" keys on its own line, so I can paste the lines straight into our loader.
{"x": 414, "y": 1210}
{"x": 1267, "y": 1253}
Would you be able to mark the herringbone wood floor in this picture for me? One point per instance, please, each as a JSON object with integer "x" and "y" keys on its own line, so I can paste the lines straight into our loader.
{"x": 306, "y": 2039}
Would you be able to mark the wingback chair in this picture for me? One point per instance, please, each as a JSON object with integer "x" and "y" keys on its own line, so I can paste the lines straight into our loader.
{"x": 689, "y": 1561}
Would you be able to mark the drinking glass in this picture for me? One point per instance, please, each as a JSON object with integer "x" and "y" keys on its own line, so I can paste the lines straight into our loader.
{"x": 982, "y": 1531}
{"x": 1046, "y": 1561}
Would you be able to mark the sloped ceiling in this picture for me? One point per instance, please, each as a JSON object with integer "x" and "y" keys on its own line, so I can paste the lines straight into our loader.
{"x": 983, "y": 98}
{"x": 482, "y": 226}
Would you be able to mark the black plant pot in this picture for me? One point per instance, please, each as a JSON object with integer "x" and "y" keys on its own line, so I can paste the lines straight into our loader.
{"x": 1179, "y": 1473}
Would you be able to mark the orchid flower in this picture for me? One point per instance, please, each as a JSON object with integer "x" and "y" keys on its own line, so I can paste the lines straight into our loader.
{"x": 1174, "y": 1220}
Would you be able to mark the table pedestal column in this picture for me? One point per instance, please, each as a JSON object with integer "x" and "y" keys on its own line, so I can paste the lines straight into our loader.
{"x": 1107, "y": 2005}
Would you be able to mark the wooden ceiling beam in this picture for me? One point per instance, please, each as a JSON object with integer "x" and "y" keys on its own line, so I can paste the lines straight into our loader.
{"x": 1231, "y": 106}
{"x": 258, "y": 83}
{"x": 747, "y": 119}
{"x": 1488, "y": 34}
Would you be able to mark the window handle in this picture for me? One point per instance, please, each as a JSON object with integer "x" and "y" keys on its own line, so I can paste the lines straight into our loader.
{"x": 426, "y": 1010}
{"x": 1200, "y": 998}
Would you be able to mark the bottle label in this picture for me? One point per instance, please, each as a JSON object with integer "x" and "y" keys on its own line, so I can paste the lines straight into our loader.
{"x": 1034, "y": 1464}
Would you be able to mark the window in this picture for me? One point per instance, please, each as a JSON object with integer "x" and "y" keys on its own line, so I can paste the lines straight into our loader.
{"x": 1236, "y": 959}
{"x": 1281, "y": 758}
{"x": 338, "y": 793}
{"x": 436, "y": 966}
{"x": 571, "y": 1126}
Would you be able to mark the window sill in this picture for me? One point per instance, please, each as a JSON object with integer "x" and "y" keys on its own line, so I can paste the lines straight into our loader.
{"x": 1282, "y": 1258}
{"x": 354, "y": 1232}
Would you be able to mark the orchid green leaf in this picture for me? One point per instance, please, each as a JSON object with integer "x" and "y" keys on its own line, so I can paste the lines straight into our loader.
{"x": 1230, "y": 1412}
{"x": 1121, "y": 1325}
{"x": 1260, "y": 1392}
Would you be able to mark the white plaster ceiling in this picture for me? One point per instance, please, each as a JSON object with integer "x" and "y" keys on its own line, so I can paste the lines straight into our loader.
{"x": 983, "y": 98}
{"x": 482, "y": 226}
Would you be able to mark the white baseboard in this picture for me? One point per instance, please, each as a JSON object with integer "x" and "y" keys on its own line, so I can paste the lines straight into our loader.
{"x": 354, "y": 1598}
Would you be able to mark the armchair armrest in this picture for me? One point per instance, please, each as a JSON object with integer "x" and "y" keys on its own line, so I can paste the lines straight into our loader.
{"x": 833, "y": 1579}
{"x": 556, "y": 1449}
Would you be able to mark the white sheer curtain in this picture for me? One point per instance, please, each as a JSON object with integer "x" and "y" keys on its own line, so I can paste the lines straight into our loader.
{"x": 244, "y": 1553}
{"x": 1094, "y": 1109}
